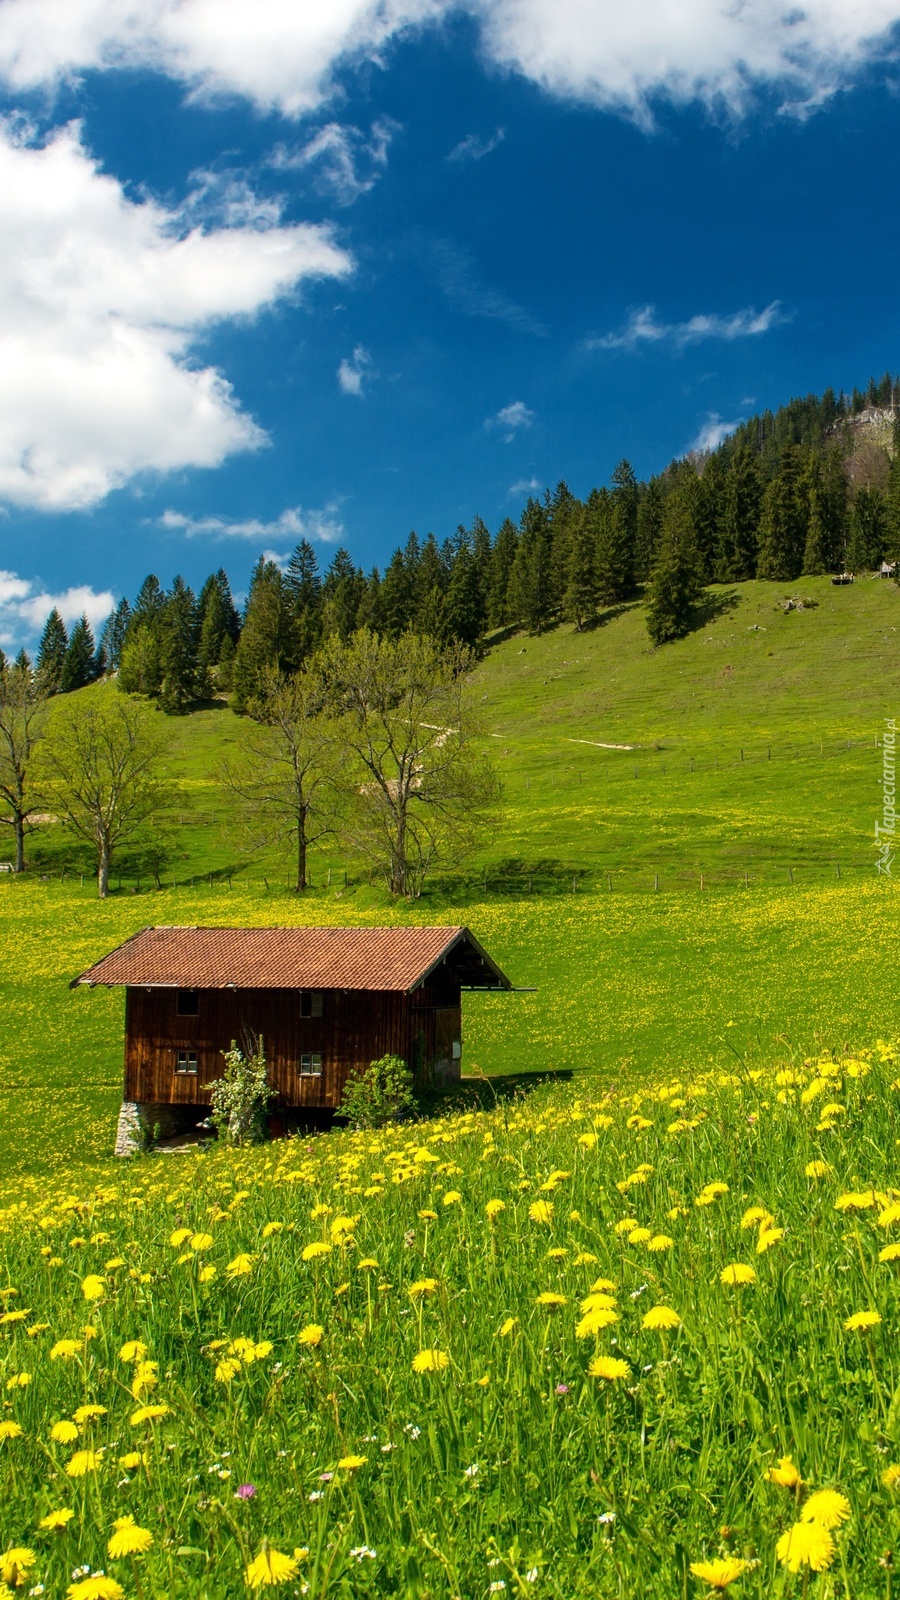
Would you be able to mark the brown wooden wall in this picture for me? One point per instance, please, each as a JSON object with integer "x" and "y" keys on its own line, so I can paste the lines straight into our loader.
{"x": 356, "y": 1028}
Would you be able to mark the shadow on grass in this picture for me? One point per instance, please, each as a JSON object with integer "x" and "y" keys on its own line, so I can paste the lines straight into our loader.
{"x": 484, "y": 1093}
{"x": 546, "y": 875}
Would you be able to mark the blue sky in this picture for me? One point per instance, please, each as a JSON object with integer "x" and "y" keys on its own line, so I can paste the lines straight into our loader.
{"x": 269, "y": 275}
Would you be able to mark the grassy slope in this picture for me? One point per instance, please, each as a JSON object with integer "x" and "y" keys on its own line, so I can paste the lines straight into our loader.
{"x": 624, "y": 976}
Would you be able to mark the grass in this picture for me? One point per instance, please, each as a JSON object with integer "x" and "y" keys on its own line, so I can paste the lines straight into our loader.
{"x": 491, "y": 1354}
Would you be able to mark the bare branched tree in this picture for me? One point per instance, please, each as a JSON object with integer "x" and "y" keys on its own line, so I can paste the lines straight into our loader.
{"x": 424, "y": 785}
{"x": 285, "y": 779}
{"x": 23, "y": 704}
{"x": 101, "y": 771}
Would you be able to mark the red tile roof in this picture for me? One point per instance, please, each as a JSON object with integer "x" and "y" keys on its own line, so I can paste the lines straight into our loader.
{"x": 289, "y": 958}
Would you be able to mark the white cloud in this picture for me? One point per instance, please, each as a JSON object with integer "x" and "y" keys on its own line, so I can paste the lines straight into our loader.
{"x": 474, "y": 148}
{"x": 101, "y": 303}
{"x": 522, "y": 486}
{"x": 294, "y": 523}
{"x": 25, "y": 606}
{"x": 644, "y": 327}
{"x": 352, "y": 374}
{"x": 510, "y": 419}
{"x": 711, "y": 434}
{"x": 346, "y": 164}
{"x": 459, "y": 280}
{"x": 281, "y": 54}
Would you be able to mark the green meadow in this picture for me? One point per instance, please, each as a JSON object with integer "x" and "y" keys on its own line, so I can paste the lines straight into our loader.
{"x": 710, "y": 891}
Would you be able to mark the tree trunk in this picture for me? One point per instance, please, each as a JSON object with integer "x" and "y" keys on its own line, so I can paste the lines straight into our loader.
{"x": 19, "y": 824}
{"x": 103, "y": 871}
{"x": 301, "y": 857}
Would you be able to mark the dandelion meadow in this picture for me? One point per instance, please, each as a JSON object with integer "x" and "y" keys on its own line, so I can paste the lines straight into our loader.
{"x": 641, "y": 1339}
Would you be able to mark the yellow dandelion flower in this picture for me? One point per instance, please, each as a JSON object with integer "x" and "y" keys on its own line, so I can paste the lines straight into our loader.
{"x": 506, "y": 1327}
{"x": 557, "y": 1253}
{"x": 227, "y": 1369}
{"x": 660, "y": 1242}
{"x": 816, "y": 1169}
{"x": 128, "y": 1539}
{"x": 87, "y": 1413}
{"x": 97, "y": 1588}
{"x": 861, "y": 1321}
{"x": 584, "y": 1258}
{"x": 768, "y": 1237}
{"x": 719, "y": 1574}
{"x": 855, "y": 1201}
{"x": 312, "y": 1334}
{"x": 16, "y": 1563}
{"x": 9, "y": 1430}
{"x": 827, "y": 1507}
{"x": 639, "y": 1236}
{"x": 430, "y": 1361}
{"x": 891, "y": 1477}
{"x": 806, "y": 1544}
{"x": 550, "y": 1301}
{"x": 452, "y": 1198}
{"x": 625, "y": 1226}
{"x": 178, "y": 1238}
{"x": 201, "y": 1241}
{"x": 422, "y": 1287}
{"x": 315, "y": 1250}
{"x": 83, "y": 1462}
{"x": 737, "y": 1273}
{"x": 133, "y": 1459}
{"x": 541, "y": 1211}
{"x": 609, "y": 1367}
{"x": 351, "y": 1463}
{"x": 241, "y": 1265}
{"x": 757, "y": 1216}
{"x": 133, "y": 1350}
{"x": 603, "y": 1286}
{"x": 494, "y": 1208}
{"x": 594, "y": 1322}
{"x": 56, "y": 1521}
{"x": 149, "y": 1414}
{"x": 428, "y": 1216}
{"x": 207, "y": 1273}
{"x": 270, "y": 1567}
{"x": 891, "y": 1252}
{"x": 784, "y": 1473}
{"x": 19, "y": 1380}
{"x": 65, "y": 1349}
{"x": 64, "y": 1433}
{"x": 661, "y": 1318}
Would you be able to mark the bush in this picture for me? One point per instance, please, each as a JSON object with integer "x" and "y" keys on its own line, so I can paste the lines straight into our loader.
{"x": 381, "y": 1094}
{"x": 240, "y": 1098}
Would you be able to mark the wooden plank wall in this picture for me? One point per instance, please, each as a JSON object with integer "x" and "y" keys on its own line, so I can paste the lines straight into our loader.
{"x": 356, "y": 1028}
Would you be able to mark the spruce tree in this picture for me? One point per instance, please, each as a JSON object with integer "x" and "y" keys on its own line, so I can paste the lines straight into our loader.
{"x": 52, "y": 653}
{"x": 614, "y": 518}
{"x": 530, "y": 594}
{"x": 738, "y": 523}
{"x": 113, "y": 636}
{"x": 868, "y": 531}
{"x": 580, "y": 599}
{"x": 265, "y": 640}
{"x": 462, "y": 612}
{"x": 503, "y": 558}
{"x": 480, "y": 544}
{"x": 892, "y": 499}
{"x": 815, "y": 554}
{"x": 675, "y": 584}
{"x": 218, "y": 621}
{"x": 304, "y": 591}
{"x": 78, "y": 662}
{"x": 565, "y": 513}
{"x": 396, "y": 598}
{"x": 782, "y": 523}
{"x": 342, "y": 592}
{"x": 649, "y": 525}
{"x": 834, "y": 507}
{"x": 150, "y": 601}
{"x": 709, "y": 502}
{"x": 429, "y": 589}
{"x": 178, "y": 636}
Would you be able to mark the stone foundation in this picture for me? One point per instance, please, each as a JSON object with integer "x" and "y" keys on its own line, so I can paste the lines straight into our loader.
{"x": 169, "y": 1120}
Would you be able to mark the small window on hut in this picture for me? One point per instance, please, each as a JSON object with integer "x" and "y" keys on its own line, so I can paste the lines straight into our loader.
{"x": 311, "y": 1065}
{"x": 186, "y": 1063}
{"x": 310, "y": 1003}
{"x": 188, "y": 1003}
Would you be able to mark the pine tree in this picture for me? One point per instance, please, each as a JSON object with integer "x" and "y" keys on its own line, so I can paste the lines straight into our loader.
{"x": 675, "y": 585}
{"x": 834, "y": 507}
{"x": 868, "y": 531}
{"x": 52, "y": 653}
{"x": 342, "y": 592}
{"x": 815, "y": 554}
{"x": 782, "y": 527}
{"x": 78, "y": 662}
{"x": 304, "y": 590}
{"x": 396, "y": 598}
{"x": 710, "y": 495}
{"x": 429, "y": 589}
{"x": 503, "y": 558}
{"x": 179, "y": 638}
{"x": 113, "y": 636}
{"x": 614, "y": 518}
{"x": 649, "y": 525}
{"x": 150, "y": 601}
{"x": 462, "y": 612}
{"x": 530, "y": 594}
{"x": 480, "y": 544}
{"x": 566, "y": 513}
{"x": 580, "y": 600}
{"x": 265, "y": 640}
{"x": 738, "y": 523}
{"x": 218, "y": 621}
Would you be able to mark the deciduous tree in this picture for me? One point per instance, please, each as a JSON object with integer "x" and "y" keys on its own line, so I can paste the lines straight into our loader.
{"x": 22, "y": 718}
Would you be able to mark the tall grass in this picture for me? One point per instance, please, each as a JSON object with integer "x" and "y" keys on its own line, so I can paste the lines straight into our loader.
{"x": 289, "y": 1296}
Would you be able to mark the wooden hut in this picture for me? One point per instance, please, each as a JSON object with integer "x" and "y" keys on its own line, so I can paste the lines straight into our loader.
{"x": 326, "y": 1001}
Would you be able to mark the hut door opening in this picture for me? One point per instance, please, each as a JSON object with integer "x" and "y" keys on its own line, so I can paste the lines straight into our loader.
{"x": 447, "y": 1042}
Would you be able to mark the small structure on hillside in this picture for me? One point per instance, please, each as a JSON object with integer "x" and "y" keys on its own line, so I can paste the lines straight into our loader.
{"x": 326, "y": 1001}
{"x": 842, "y": 578}
{"x": 887, "y": 569}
